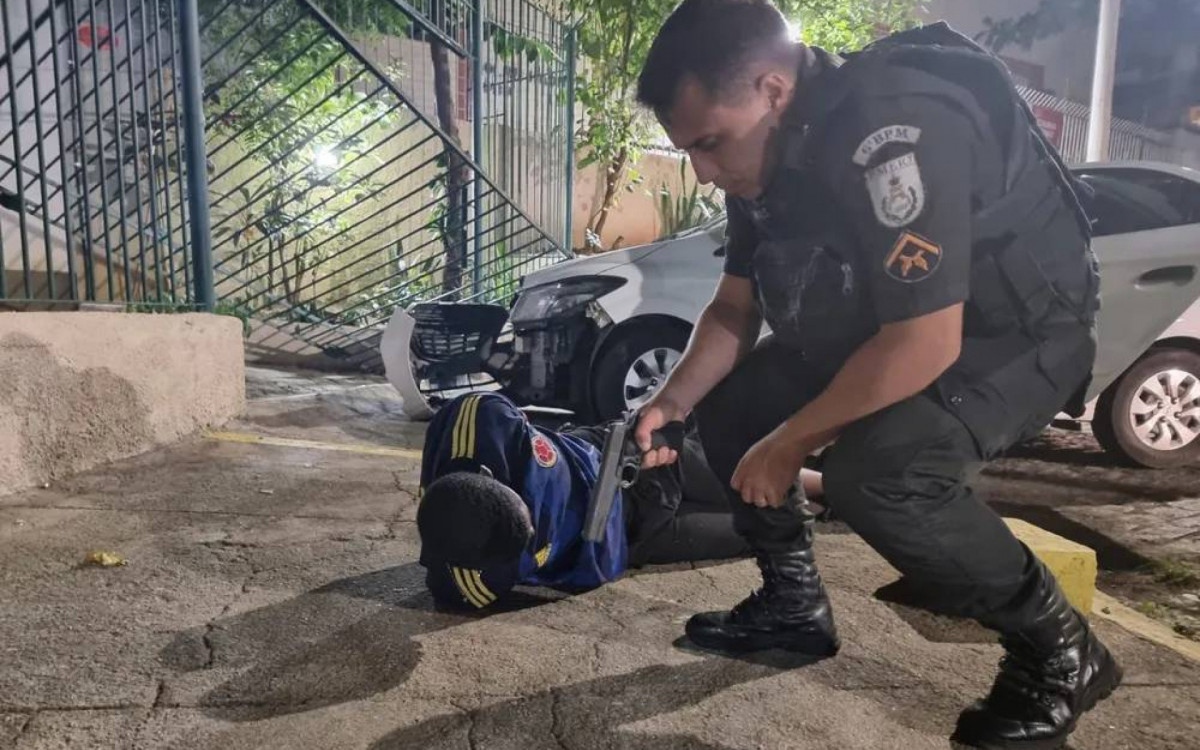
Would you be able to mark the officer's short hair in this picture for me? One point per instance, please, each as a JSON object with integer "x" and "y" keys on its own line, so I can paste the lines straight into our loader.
{"x": 713, "y": 41}
{"x": 472, "y": 520}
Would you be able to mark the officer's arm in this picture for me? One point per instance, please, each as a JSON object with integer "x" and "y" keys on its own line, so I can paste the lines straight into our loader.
{"x": 905, "y": 178}
{"x": 725, "y": 332}
{"x": 902, "y": 360}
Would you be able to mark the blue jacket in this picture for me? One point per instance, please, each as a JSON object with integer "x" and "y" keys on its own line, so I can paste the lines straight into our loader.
{"x": 553, "y": 473}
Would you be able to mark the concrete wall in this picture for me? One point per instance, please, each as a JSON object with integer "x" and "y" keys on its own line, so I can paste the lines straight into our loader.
{"x": 80, "y": 389}
{"x": 54, "y": 263}
{"x": 635, "y": 220}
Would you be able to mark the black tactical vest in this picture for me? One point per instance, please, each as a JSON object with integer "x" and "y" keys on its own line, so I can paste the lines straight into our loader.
{"x": 1025, "y": 287}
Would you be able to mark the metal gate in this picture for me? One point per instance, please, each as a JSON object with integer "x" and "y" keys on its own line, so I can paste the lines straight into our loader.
{"x": 356, "y": 166}
{"x": 359, "y": 156}
{"x": 1129, "y": 140}
{"x": 93, "y": 166}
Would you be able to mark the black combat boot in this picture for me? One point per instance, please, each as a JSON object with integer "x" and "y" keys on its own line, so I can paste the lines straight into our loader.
{"x": 1054, "y": 669}
{"x": 790, "y": 611}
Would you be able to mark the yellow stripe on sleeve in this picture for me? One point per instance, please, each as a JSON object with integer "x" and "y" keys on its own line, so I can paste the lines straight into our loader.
{"x": 463, "y": 582}
{"x": 459, "y": 443}
{"x": 483, "y": 590}
{"x": 470, "y": 447}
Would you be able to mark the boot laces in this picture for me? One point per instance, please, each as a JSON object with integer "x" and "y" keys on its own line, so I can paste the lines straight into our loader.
{"x": 753, "y": 605}
{"x": 1044, "y": 679}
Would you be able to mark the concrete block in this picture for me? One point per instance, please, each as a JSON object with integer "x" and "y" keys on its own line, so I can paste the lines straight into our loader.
{"x": 78, "y": 389}
{"x": 1073, "y": 564}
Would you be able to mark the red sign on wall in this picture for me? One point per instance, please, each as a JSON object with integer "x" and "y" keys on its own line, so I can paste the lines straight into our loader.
{"x": 100, "y": 37}
{"x": 1051, "y": 122}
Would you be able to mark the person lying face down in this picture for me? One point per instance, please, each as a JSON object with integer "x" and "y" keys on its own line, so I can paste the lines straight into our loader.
{"x": 503, "y": 504}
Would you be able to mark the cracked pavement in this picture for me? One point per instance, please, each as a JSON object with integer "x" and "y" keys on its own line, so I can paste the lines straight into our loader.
{"x": 297, "y": 619}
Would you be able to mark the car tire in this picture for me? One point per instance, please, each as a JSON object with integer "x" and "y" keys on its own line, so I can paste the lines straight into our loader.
{"x": 652, "y": 347}
{"x": 1151, "y": 416}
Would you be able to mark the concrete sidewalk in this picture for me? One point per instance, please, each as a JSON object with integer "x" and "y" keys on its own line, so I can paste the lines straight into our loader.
{"x": 272, "y": 600}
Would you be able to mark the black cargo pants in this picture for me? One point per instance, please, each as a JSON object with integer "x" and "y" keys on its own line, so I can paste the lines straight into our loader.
{"x": 901, "y": 478}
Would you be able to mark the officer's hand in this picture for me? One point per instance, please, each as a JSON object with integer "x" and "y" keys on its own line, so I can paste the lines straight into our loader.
{"x": 654, "y": 416}
{"x": 768, "y": 470}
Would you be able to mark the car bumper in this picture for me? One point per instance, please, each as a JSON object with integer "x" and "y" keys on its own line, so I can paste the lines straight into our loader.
{"x": 546, "y": 363}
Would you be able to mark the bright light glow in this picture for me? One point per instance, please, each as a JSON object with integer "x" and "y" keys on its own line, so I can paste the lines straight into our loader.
{"x": 324, "y": 158}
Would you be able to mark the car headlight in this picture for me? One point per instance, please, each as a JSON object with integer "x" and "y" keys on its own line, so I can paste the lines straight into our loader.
{"x": 561, "y": 298}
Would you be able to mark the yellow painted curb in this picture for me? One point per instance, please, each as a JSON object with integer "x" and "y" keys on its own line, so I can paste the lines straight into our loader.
{"x": 1138, "y": 624}
{"x": 369, "y": 450}
{"x": 1073, "y": 564}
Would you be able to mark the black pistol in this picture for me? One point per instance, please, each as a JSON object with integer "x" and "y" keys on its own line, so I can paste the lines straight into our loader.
{"x": 620, "y": 462}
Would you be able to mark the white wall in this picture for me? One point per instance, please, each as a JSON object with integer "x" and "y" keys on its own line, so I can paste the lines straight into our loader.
{"x": 23, "y": 102}
{"x": 1066, "y": 58}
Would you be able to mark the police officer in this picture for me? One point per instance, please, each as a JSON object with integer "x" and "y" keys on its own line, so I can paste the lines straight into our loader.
{"x": 921, "y": 258}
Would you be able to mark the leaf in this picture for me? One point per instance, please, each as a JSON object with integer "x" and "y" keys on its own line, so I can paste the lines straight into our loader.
{"x": 104, "y": 559}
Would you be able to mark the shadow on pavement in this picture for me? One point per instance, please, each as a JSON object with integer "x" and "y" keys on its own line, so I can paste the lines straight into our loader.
{"x": 1061, "y": 447}
{"x": 315, "y": 651}
{"x": 1110, "y": 555}
{"x": 595, "y": 709}
{"x": 1156, "y": 490}
{"x": 906, "y": 601}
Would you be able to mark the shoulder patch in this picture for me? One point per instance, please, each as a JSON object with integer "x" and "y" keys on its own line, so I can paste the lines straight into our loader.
{"x": 543, "y": 451}
{"x": 882, "y": 137}
{"x": 897, "y": 192}
{"x": 913, "y": 258}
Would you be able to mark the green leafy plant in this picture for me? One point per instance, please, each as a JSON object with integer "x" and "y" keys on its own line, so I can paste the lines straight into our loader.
{"x": 1175, "y": 573}
{"x": 687, "y": 208}
{"x": 614, "y": 39}
{"x": 160, "y": 308}
{"x": 284, "y": 111}
{"x": 235, "y": 308}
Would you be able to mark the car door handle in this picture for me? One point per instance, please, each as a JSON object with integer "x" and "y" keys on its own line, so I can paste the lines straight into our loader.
{"x": 1173, "y": 275}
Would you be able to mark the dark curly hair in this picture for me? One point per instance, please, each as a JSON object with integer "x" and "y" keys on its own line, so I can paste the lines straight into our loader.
{"x": 472, "y": 520}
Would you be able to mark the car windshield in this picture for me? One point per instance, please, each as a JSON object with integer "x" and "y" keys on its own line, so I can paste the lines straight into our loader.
{"x": 1132, "y": 199}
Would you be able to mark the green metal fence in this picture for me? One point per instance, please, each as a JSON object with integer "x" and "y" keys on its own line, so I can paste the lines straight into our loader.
{"x": 366, "y": 155}
{"x": 95, "y": 191}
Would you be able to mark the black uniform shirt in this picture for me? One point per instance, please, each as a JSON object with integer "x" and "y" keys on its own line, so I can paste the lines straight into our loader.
{"x": 893, "y": 181}
{"x": 867, "y": 220}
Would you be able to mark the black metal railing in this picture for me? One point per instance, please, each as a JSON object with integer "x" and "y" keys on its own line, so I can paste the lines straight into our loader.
{"x": 358, "y": 156}
{"x": 93, "y": 182}
{"x": 339, "y": 195}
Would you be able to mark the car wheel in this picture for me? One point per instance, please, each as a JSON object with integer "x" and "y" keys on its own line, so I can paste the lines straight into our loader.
{"x": 633, "y": 364}
{"x": 1151, "y": 416}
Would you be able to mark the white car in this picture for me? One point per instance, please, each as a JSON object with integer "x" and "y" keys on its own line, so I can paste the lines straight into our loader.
{"x": 597, "y": 335}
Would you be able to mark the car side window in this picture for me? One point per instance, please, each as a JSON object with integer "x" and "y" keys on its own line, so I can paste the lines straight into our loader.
{"x": 1137, "y": 200}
